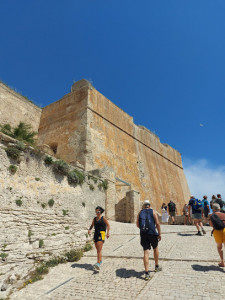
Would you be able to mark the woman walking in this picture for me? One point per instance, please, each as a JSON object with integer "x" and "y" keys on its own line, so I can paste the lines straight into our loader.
{"x": 100, "y": 223}
{"x": 165, "y": 216}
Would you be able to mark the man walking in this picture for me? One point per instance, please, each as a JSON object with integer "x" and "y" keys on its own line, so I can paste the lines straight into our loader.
{"x": 172, "y": 211}
{"x": 196, "y": 206}
{"x": 206, "y": 210}
{"x": 147, "y": 222}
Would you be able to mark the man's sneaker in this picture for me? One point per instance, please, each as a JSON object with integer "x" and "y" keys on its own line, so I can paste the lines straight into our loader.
{"x": 203, "y": 231}
{"x": 96, "y": 266}
{"x": 199, "y": 233}
{"x": 158, "y": 268}
{"x": 147, "y": 276}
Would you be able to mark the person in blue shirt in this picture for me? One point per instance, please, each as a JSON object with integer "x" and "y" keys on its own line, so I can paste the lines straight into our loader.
{"x": 196, "y": 206}
{"x": 206, "y": 209}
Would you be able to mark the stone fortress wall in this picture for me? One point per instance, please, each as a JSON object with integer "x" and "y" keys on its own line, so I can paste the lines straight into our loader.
{"x": 15, "y": 108}
{"x": 87, "y": 130}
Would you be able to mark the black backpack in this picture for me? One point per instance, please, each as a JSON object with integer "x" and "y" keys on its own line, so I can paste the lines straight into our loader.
{"x": 172, "y": 206}
{"x": 217, "y": 222}
{"x": 145, "y": 220}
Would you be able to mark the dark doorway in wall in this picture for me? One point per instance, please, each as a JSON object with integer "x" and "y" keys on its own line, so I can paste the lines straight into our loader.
{"x": 54, "y": 147}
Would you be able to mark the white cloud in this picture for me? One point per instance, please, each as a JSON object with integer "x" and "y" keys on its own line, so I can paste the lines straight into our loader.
{"x": 204, "y": 179}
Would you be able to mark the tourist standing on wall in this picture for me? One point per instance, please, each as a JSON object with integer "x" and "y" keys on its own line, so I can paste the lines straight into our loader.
{"x": 147, "y": 222}
{"x": 206, "y": 210}
{"x": 196, "y": 206}
{"x": 217, "y": 221}
{"x": 185, "y": 213}
{"x": 172, "y": 211}
{"x": 165, "y": 216}
{"x": 100, "y": 224}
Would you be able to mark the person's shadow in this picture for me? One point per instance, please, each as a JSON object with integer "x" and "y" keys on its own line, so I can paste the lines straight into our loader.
{"x": 83, "y": 266}
{"x": 200, "y": 268}
{"x": 124, "y": 273}
{"x": 186, "y": 234}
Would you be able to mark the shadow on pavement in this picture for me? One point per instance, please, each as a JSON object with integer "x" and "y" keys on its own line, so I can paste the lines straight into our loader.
{"x": 207, "y": 268}
{"x": 124, "y": 273}
{"x": 83, "y": 266}
{"x": 186, "y": 234}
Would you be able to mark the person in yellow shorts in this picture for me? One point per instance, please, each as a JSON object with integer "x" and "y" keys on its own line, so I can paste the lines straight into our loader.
{"x": 217, "y": 221}
{"x": 101, "y": 224}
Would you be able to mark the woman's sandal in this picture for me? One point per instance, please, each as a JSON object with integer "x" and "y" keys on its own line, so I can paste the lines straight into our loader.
{"x": 221, "y": 265}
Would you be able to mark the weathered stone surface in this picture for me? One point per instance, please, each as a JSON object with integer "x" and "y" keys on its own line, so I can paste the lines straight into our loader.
{"x": 15, "y": 108}
{"x": 23, "y": 227}
{"x": 88, "y": 130}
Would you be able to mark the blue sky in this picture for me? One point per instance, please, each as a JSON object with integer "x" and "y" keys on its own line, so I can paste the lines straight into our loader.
{"x": 162, "y": 62}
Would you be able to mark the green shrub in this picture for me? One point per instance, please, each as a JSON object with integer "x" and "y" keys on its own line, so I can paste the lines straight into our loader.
{"x": 73, "y": 178}
{"x": 104, "y": 184}
{"x": 30, "y": 233}
{"x": 55, "y": 261}
{"x": 41, "y": 243}
{"x": 80, "y": 175}
{"x": 87, "y": 247}
{"x": 65, "y": 212}
{"x": 37, "y": 179}
{"x": 19, "y": 202}
{"x": 43, "y": 205}
{"x": 6, "y": 129}
{"x": 48, "y": 160}
{"x": 74, "y": 255}
{"x": 91, "y": 187}
{"x": 83, "y": 204}
{"x": 20, "y": 146}
{"x": 67, "y": 227}
{"x": 13, "y": 152}
{"x": 3, "y": 255}
{"x": 13, "y": 169}
{"x": 61, "y": 167}
{"x": 51, "y": 202}
{"x": 23, "y": 133}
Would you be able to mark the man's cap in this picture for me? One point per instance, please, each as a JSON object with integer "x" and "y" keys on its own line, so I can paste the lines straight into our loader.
{"x": 216, "y": 206}
{"x": 146, "y": 202}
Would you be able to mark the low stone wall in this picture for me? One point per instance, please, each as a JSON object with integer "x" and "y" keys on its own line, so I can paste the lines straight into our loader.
{"x": 34, "y": 230}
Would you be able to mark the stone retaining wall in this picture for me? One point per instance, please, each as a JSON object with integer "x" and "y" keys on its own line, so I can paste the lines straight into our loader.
{"x": 61, "y": 227}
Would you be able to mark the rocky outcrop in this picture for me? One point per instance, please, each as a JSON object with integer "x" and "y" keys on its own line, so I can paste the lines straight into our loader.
{"x": 41, "y": 214}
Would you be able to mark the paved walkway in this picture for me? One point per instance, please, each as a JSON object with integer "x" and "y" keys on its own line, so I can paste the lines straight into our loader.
{"x": 189, "y": 264}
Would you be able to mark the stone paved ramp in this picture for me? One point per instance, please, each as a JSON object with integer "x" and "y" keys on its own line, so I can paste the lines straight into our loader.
{"x": 189, "y": 264}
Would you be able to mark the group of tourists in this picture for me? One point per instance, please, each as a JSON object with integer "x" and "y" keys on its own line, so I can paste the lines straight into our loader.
{"x": 150, "y": 231}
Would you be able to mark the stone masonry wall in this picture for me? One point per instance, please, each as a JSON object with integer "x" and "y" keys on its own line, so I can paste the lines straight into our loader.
{"x": 15, "y": 108}
{"x": 23, "y": 227}
{"x": 63, "y": 127}
{"x": 135, "y": 153}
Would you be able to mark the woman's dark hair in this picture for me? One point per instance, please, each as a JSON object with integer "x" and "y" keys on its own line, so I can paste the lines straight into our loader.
{"x": 164, "y": 204}
{"x": 100, "y": 208}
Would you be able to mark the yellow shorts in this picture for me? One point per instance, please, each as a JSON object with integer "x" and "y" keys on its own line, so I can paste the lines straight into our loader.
{"x": 99, "y": 236}
{"x": 219, "y": 236}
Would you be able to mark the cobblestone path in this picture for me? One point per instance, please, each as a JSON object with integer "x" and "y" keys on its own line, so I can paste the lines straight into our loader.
{"x": 189, "y": 264}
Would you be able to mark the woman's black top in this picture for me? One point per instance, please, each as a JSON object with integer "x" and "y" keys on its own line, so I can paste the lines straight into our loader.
{"x": 99, "y": 225}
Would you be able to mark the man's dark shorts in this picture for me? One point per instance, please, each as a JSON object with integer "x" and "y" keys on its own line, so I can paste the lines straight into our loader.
{"x": 148, "y": 240}
{"x": 172, "y": 213}
{"x": 206, "y": 213}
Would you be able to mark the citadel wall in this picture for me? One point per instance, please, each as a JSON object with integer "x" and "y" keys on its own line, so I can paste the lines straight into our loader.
{"x": 63, "y": 127}
{"x": 15, "y": 108}
{"x": 135, "y": 153}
